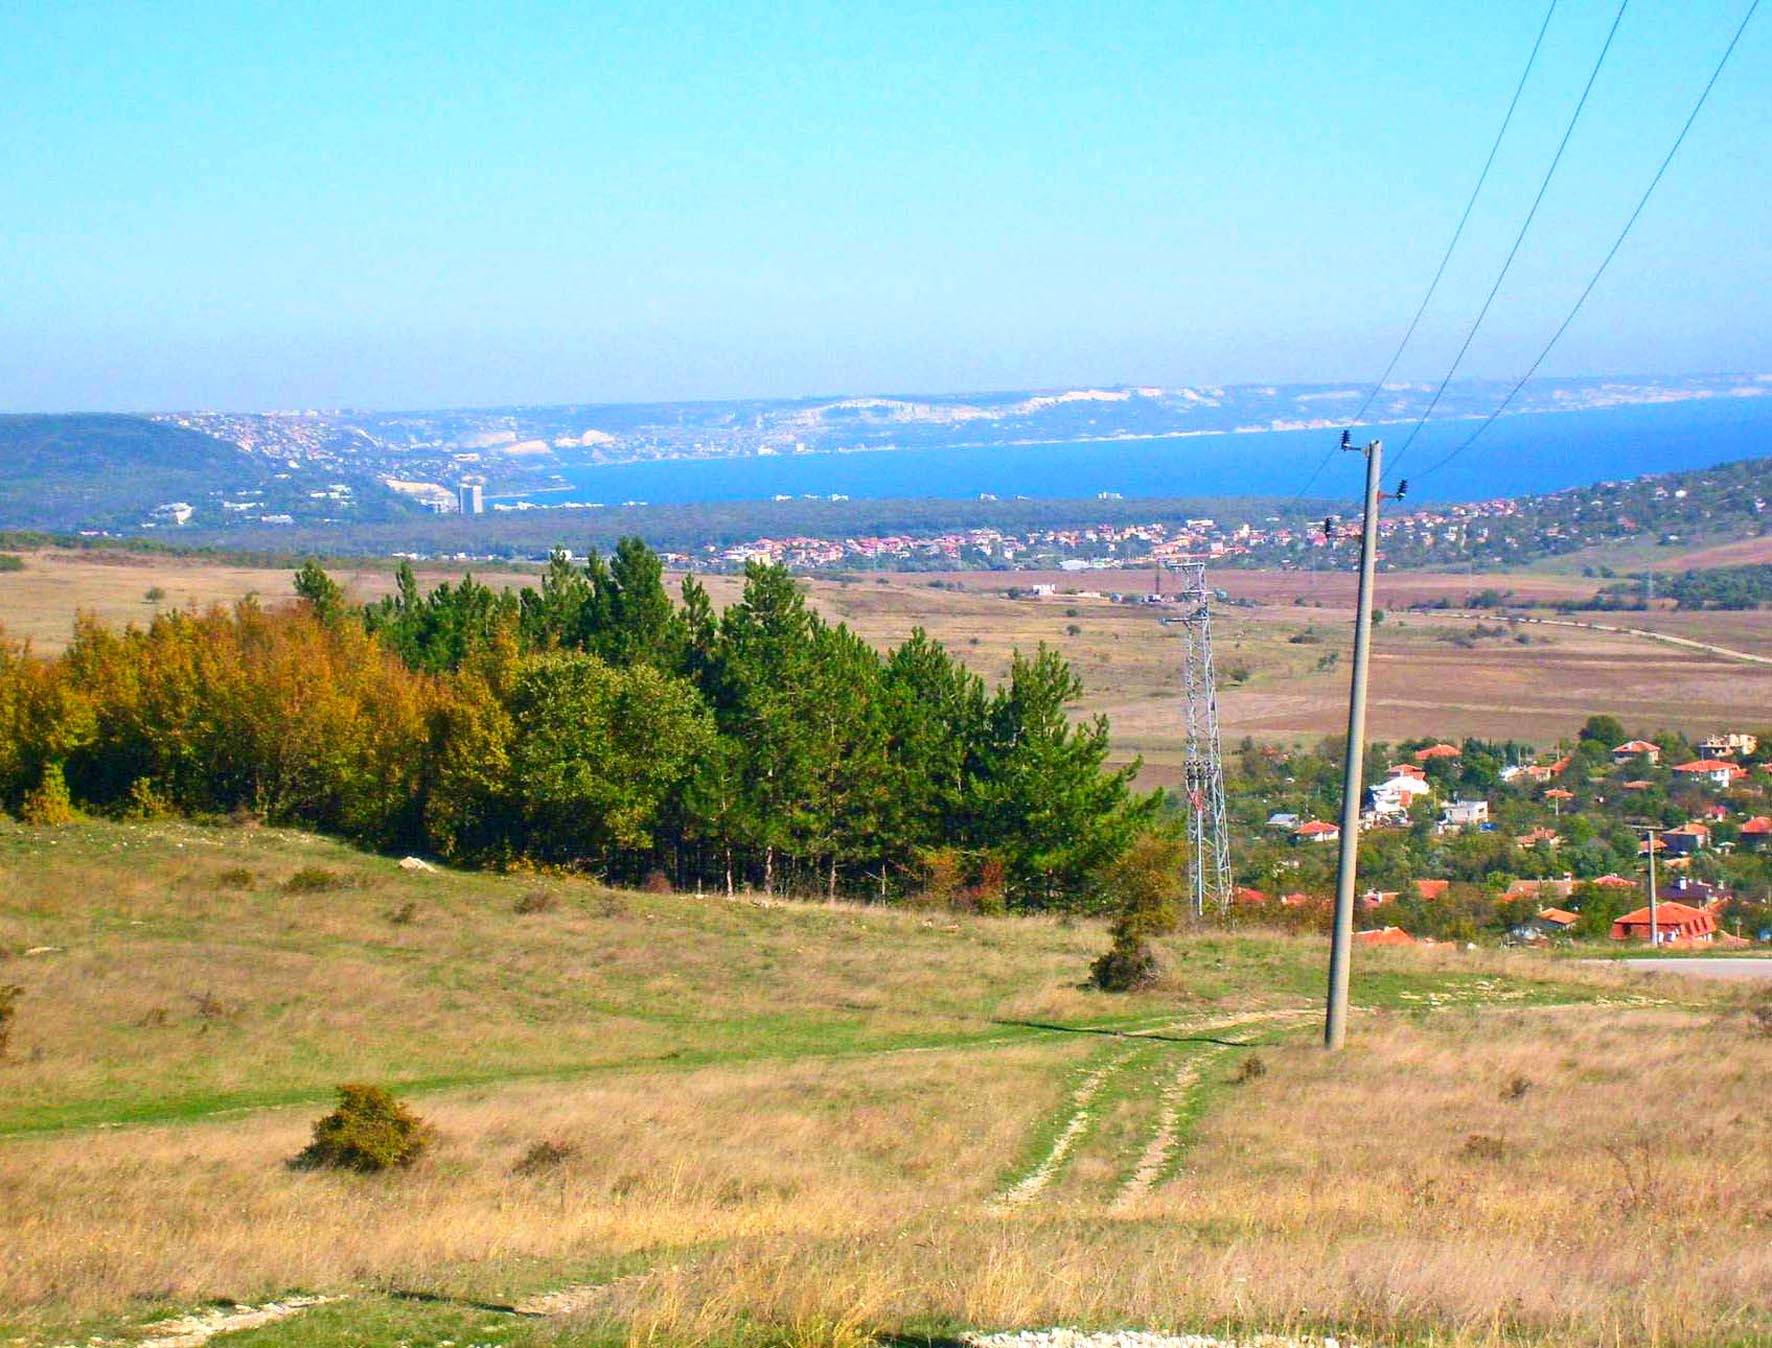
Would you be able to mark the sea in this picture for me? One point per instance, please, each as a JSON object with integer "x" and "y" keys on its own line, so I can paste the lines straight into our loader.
{"x": 1517, "y": 455}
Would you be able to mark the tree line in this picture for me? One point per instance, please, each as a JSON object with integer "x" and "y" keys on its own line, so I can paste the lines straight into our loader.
{"x": 589, "y": 722}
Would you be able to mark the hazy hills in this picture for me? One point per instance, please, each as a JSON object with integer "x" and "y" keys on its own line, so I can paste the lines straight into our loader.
{"x": 334, "y": 468}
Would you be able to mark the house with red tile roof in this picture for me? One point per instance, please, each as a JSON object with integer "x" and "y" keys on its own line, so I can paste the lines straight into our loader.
{"x": 1548, "y": 836}
{"x": 1384, "y": 936}
{"x": 1432, "y": 889}
{"x": 1757, "y": 830}
{"x": 1615, "y": 882}
{"x": 1317, "y": 831}
{"x": 1540, "y": 889}
{"x": 1247, "y": 894}
{"x": 1673, "y": 922}
{"x": 1632, "y": 749}
{"x": 1713, "y": 770}
{"x": 1434, "y": 751}
{"x": 1689, "y": 837}
{"x": 1559, "y": 918}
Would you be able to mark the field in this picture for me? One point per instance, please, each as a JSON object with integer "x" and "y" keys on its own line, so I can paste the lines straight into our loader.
{"x": 808, "y": 1124}
{"x": 1281, "y": 644}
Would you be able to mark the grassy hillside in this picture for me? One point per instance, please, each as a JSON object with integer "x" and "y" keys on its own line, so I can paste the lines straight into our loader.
{"x": 819, "y": 1124}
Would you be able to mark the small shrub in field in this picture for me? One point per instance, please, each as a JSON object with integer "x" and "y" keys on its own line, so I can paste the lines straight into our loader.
{"x": 313, "y": 880}
{"x": 1516, "y": 1089}
{"x": 154, "y": 1018}
{"x": 210, "y": 1007}
{"x": 1250, "y": 1069}
{"x": 1146, "y": 884}
{"x": 9, "y": 995}
{"x": 1126, "y": 966}
{"x": 370, "y": 1131}
{"x": 49, "y": 803}
{"x": 537, "y": 900}
{"x": 541, "y": 1157}
{"x": 403, "y": 915}
{"x": 1483, "y": 1147}
{"x": 656, "y": 882}
{"x": 236, "y": 877}
{"x": 11, "y": 561}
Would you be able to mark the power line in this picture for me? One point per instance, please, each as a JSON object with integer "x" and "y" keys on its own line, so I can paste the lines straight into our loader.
{"x": 1446, "y": 258}
{"x": 1611, "y": 253}
{"x": 1463, "y": 220}
{"x": 1519, "y": 238}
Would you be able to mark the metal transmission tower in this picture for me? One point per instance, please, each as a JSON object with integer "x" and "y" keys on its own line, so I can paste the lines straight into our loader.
{"x": 1209, "y": 859}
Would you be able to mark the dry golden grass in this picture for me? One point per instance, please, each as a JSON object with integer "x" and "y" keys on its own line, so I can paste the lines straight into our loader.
{"x": 797, "y": 1123}
{"x": 1624, "y": 1202}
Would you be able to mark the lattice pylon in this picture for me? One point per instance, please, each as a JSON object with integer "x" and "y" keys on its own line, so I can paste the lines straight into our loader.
{"x": 1209, "y": 852}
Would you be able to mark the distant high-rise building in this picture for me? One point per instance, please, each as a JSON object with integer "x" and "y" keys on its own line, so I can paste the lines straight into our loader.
{"x": 472, "y": 502}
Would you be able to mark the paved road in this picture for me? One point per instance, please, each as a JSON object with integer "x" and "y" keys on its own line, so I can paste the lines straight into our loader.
{"x": 1719, "y": 967}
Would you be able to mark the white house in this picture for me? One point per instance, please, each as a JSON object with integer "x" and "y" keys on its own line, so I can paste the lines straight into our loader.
{"x": 1463, "y": 814}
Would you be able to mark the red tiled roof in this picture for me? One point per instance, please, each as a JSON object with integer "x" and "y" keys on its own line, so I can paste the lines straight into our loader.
{"x": 1561, "y": 916}
{"x": 1432, "y": 889}
{"x": 1436, "y": 751}
{"x": 1758, "y": 826}
{"x": 1676, "y": 919}
{"x": 1317, "y": 827}
{"x": 1384, "y": 936}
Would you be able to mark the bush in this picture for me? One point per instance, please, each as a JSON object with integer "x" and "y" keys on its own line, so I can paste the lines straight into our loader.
{"x": 1127, "y": 965}
{"x": 146, "y": 803}
{"x": 1146, "y": 885}
{"x": 1250, "y": 1069}
{"x": 50, "y": 803}
{"x": 236, "y": 877}
{"x": 1483, "y": 1147}
{"x": 404, "y": 914}
{"x": 9, "y": 995}
{"x": 369, "y": 1132}
{"x": 313, "y": 880}
{"x": 656, "y": 882}
{"x": 11, "y": 561}
{"x": 536, "y": 900}
{"x": 543, "y": 1156}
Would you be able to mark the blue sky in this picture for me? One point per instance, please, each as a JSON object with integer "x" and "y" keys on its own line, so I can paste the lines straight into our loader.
{"x": 401, "y": 205}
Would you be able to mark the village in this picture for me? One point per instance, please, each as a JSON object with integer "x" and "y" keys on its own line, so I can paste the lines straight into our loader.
{"x": 1625, "y": 841}
{"x": 1110, "y": 546}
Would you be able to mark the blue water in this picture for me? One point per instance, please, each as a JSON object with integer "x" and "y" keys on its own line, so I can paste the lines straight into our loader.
{"x": 1519, "y": 454}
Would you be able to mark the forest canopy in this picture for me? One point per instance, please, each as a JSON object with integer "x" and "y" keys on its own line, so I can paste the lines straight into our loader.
{"x": 590, "y": 722}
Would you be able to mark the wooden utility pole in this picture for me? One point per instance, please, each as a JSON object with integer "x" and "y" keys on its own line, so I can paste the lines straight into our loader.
{"x": 1341, "y": 943}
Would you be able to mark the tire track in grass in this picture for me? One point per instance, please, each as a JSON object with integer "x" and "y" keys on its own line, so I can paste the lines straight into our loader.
{"x": 1076, "y": 1124}
{"x": 1159, "y": 1153}
{"x": 1080, "y": 1114}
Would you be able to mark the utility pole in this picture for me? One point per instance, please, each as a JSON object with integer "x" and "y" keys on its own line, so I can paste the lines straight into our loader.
{"x": 1649, "y": 831}
{"x": 1341, "y": 943}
